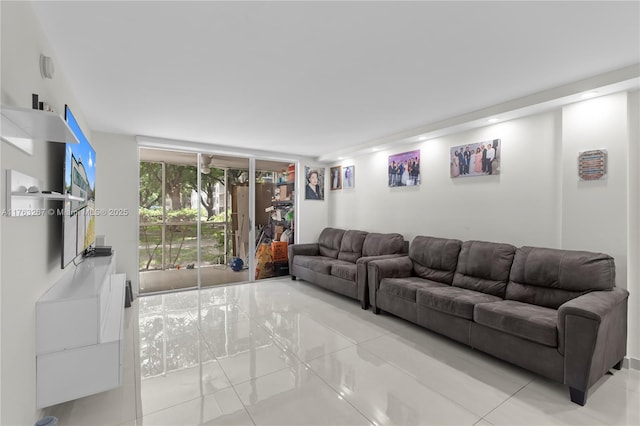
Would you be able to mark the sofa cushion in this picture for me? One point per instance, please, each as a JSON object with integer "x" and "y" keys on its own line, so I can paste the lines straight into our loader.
{"x": 329, "y": 242}
{"x": 484, "y": 266}
{"x": 453, "y": 300}
{"x": 551, "y": 277}
{"x": 435, "y": 258}
{"x": 343, "y": 269}
{"x": 376, "y": 244}
{"x": 531, "y": 322}
{"x": 321, "y": 265}
{"x": 305, "y": 261}
{"x": 405, "y": 288}
{"x": 351, "y": 245}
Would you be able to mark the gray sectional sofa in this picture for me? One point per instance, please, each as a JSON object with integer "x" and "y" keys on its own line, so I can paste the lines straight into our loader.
{"x": 338, "y": 261}
{"x": 555, "y": 312}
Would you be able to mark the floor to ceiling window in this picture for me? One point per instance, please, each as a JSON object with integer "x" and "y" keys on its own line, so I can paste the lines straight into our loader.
{"x": 196, "y": 219}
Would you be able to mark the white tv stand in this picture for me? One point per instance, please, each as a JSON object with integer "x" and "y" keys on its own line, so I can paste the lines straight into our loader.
{"x": 80, "y": 333}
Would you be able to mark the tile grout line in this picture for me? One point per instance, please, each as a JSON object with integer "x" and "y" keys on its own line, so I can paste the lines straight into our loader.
{"x": 483, "y": 417}
{"x": 342, "y": 398}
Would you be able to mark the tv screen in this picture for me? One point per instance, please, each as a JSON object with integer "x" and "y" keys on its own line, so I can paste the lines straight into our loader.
{"x": 78, "y": 231}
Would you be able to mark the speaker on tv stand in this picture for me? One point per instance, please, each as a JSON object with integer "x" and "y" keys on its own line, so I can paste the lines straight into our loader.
{"x": 102, "y": 251}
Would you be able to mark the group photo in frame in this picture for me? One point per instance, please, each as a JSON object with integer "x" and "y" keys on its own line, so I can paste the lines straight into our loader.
{"x": 475, "y": 159}
{"x": 404, "y": 169}
{"x": 348, "y": 174}
{"x": 314, "y": 183}
{"x": 336, "y": 177}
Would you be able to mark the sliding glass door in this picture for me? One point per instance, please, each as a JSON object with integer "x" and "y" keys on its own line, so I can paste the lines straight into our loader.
{"x": 168, "y": 248}
{"x": 224, "y": 222}
{"x": 204, "y": 217}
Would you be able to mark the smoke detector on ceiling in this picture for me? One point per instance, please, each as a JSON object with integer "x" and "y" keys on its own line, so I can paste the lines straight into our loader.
{"x": 46, "y": 67}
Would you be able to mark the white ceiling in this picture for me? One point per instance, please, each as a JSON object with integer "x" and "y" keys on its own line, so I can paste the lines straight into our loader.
{"x": 311, "y": 78}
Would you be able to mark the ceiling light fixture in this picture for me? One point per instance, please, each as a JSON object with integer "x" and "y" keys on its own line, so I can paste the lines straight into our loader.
{"x": 205, "y": 164}
{"x": 422, "y": 138}
{"x": 588, "y": 95}
{"x": 493, "y": 120}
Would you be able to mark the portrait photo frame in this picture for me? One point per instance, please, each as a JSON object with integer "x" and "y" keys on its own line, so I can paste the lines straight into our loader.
{"x": 335, "y": 174}
{"x": 314, "y": 183}
{"x": 348, "y": 177}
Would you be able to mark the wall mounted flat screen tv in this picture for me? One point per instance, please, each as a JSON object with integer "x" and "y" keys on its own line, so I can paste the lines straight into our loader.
{"x": 78, "y": 228}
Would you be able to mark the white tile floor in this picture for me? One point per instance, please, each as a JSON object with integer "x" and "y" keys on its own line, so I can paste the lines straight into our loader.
{"x": 282, "y": 352}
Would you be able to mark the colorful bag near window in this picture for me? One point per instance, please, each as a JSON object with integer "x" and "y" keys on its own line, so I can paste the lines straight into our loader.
{"x": 264, "y": 262}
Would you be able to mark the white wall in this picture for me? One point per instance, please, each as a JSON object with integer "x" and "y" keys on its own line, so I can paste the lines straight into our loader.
{"x": 634, "y": 223}
{"x": 518, "y": 206}
{"x": 595, "y": 213}
{"x": 30, "y": 247}
{"x": 536, "y": 200}
{"x": 117, "y": 182}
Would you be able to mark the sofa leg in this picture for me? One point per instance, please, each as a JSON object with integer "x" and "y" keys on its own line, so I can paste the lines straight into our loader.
{"x": 577, "y": 396}
{"x": 364, "y": 304}
{"x": 293, "y": 277}
{"x": 375, "y": 310}
{"x": 618, "y": 366}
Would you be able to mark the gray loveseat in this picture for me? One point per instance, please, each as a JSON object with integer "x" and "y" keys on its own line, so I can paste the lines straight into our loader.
{"x": 554, "y": 312}
{"x": 338, "y": 261}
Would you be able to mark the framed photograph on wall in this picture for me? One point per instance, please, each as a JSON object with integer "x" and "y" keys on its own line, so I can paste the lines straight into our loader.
{"x": 314, "y": 183}
{"x": 404, "y": 169}
{"x": 592, "y": 164}
{"x": 349, "y": 177}
{"x": 336, "y": 177}
{"x": 475, "y": 159}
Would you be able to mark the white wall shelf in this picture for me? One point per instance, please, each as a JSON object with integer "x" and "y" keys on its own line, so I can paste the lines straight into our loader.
{"x": 22, "y": 203}
{"x": 22, "y": 127}
{"x": 47, "y": 196}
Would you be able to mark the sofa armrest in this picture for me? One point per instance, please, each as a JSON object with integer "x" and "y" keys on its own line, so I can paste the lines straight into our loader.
{"x": 310, "y": 249}
{"x": 592, "y": 336}
{"x": 361, "y": 276}
{"x": 377, "y": 270}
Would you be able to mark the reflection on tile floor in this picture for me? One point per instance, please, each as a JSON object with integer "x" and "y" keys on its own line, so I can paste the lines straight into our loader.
{"x": 283, "y": 352}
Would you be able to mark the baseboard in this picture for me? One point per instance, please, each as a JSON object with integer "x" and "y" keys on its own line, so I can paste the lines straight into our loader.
{"x": 632, "y": 363}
